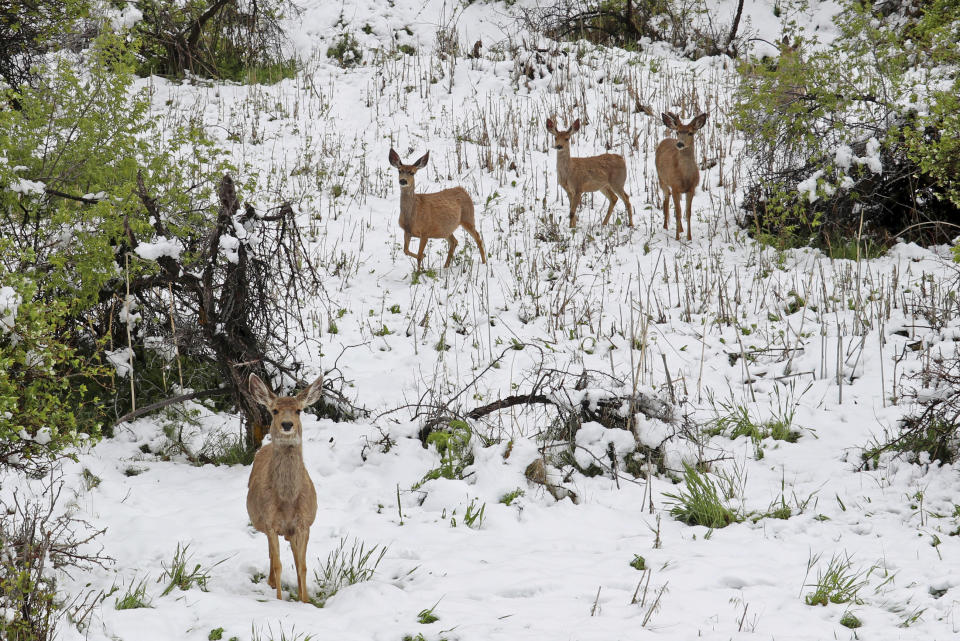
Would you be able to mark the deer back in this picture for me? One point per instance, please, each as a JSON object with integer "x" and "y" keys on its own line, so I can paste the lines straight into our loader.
{"x": 594, "y": 173}
{"x": 438, "y": 215}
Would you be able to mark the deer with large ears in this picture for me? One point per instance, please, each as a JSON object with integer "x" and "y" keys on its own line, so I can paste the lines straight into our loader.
{"x": 606, "y": 173}
{"x": 677, "y": 168}
{"x": 281, "y": 499}
{"x": 435, "y": 215}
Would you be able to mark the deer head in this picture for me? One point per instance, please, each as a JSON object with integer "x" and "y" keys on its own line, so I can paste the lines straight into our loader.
{"x": 561, "y": 139}
{"x": 407, "y": 171}
{"x": 285, "y": 428}
{"x": 684, "y": 131}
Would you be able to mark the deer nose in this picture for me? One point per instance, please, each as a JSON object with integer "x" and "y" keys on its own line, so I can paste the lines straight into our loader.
{"x": 287, "y": 426}
{"x": 680, "y": 145}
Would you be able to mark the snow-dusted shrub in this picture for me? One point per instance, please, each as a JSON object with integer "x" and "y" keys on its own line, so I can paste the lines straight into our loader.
{"x": 855, "y": 139}
{"x": 37, "y": 543}
{"x": 240, "y": 40}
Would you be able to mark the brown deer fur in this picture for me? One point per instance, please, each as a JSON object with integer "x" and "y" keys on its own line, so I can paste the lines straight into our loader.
{"x": 677, "y": 168}
{"x": 606, "y": 173}
{"x": 435, "y": 215}
{"x": 281, "y": 499}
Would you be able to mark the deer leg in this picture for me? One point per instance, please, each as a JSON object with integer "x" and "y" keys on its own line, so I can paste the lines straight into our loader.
{"x": 612, "y": 197}
{"x": 666, "y": 206}
{"x": 676, "y": 208}
{"x": 626, "y": 201}
{"x": 298, "y": 544}
{"x": 273, "y": 542}
{"x": 689, "y": 207}
{"x": 406, "y": 245}
{"x": 422, "y": 248}
{"x": 451, "y": 244}
{"x": 574, "y": 203}
{"x": 476, "y": 236}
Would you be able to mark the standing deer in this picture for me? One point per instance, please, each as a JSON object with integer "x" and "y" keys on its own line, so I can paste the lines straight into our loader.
{"x": 606, "y": 173}
{"x": 281, "y": 499}
{"x": 435, "y": 215}
{"x": 677, "y": 167}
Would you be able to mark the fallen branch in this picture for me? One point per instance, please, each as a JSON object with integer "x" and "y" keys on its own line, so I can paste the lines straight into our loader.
{"x": 129, "y": 416}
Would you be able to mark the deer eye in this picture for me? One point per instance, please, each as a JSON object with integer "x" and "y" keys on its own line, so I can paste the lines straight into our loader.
{"x": 275, "y": 412}
{"x": 298, "y": 412}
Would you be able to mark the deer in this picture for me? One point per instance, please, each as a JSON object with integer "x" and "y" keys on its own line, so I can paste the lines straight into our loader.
{"x": 281, "y": 499}
{"x": 435, "y": 215}
{"x": 677, "y": 169}
{"x": 606, "y": 173}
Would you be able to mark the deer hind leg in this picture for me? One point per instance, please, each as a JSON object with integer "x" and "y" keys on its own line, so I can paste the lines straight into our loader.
{"x": 689, "y": 207}
{"x": 273, "y": 579}
{"x": 676, "y": 208}
{"x": 612, "y": 197}
{"x": 298, "y": 544}
{"x": 451, "y": 244}
{"x": 626, "y": 201}
{"x": 472, "y": 230}
{"x": 574, "y": 203}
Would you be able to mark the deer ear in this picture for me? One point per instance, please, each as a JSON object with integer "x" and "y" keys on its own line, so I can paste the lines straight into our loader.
{"x": 575, "y": 127}
{"x": 698, "y": 122}
{"x": 260, "y": 392}
{"x": 394, "y": 158}
{"x": 551, "y": 126}
{"x": 422, "y": 161}
{"x": 669, "y": 120}
{"x": 313, "y": 393}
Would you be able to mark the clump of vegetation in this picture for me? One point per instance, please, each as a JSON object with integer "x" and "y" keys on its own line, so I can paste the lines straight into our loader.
{"x": 701, "y": 502}
{"x": 857, "y": 139}
{"x": 346, "y": 50}
{"x": 511, "y": 496}
{"x": 35, "y": 538}
{"x": 134, "y": 597}
{"x": 239, "y": 40}
{"x": 452, "y": 443}
{"x": 850, "y": 620}
{"x": 178, "y": 576}
{"x": 839, "y": 582}
{"x": 346, "y": 566}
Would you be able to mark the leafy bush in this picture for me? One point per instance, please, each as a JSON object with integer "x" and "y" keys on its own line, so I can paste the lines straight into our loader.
{"x": 856, "y": 139}
{"x": 238, "y": 40}
{"x": 452, "y": 443}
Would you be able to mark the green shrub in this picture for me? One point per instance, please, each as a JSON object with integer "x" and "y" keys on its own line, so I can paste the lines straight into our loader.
{"x": 452, "y": 443}
{"x": 699, "y": 502}
{"x": 346, "y": 50}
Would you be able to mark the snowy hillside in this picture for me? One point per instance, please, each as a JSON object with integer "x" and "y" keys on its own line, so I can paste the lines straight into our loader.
{"x": 717, "y": 328}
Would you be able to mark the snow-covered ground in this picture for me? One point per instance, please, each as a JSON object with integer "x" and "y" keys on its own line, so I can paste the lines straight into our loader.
{"x": 821, "y": 338}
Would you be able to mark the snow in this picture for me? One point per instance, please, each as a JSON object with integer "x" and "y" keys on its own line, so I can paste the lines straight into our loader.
{"x": 711, "y": 317}
{"x": 162, "y": 247}
{"x": 9, "y": 304}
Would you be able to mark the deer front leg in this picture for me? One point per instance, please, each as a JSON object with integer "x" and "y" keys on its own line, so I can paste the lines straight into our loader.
{"x": 420, "y": 250}
{"x": 666, "y": 206}
{"x": 574, "y": 203}
{"x": 298, "y": 544}
{"x": 406, "y": 245}
{"x": 676, "y": 208}
{"x": 689, "y": 209}
{"x": 273, "y": 580}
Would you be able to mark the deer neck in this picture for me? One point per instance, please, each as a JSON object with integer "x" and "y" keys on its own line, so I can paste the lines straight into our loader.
{"x": 408, "y": 206}
{"x": 687, "y": 157}
{"x": 563, "y": 164}
{"x": 288, "y": 471}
